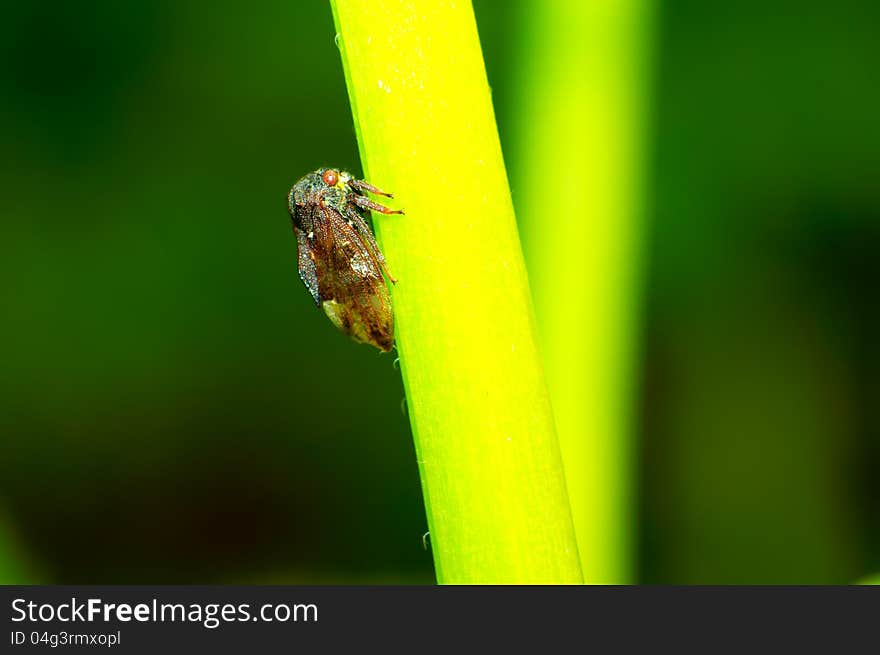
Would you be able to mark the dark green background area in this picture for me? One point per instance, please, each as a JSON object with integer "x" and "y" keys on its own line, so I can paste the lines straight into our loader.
{"x": 173, "y": 408}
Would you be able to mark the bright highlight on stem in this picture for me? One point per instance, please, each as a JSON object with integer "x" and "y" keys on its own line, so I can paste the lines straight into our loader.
{"x": 491, "y": 471}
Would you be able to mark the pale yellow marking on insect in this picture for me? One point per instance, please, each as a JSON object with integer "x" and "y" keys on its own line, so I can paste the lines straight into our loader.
{"x": 331, "y": 309}
{"x": 342, "y": 180}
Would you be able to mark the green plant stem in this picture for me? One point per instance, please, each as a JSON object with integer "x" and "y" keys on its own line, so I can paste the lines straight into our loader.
{"x": 490, "y": 466}
{"x": 579, "y": 159}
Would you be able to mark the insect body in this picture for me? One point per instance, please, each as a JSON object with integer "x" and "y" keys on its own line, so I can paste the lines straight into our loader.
{"x": 339, "y": 261}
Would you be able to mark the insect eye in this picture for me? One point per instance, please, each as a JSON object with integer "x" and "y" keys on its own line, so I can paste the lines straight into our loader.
{"x": 330, "y": 177}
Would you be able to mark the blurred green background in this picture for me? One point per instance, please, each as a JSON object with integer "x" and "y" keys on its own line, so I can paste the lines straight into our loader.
{"x": 174, "y": 409}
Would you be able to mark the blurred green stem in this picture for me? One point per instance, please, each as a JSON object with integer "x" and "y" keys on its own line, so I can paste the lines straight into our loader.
{"x": 579, "y": 161}
{"x": 489, "y": 461}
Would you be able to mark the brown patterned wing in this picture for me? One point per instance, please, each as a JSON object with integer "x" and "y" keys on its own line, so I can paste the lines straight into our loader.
{"x": 351, "y": 287}
{"x": 307, "y": 270}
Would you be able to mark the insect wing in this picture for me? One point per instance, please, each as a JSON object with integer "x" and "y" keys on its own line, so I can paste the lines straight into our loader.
{"x": 352, "y": 289}
{"x": 307, "y": 271}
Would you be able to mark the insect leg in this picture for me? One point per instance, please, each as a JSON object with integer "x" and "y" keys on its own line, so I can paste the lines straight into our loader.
{"x": 365, "y": 203}
{"x": 363, "y": 185}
